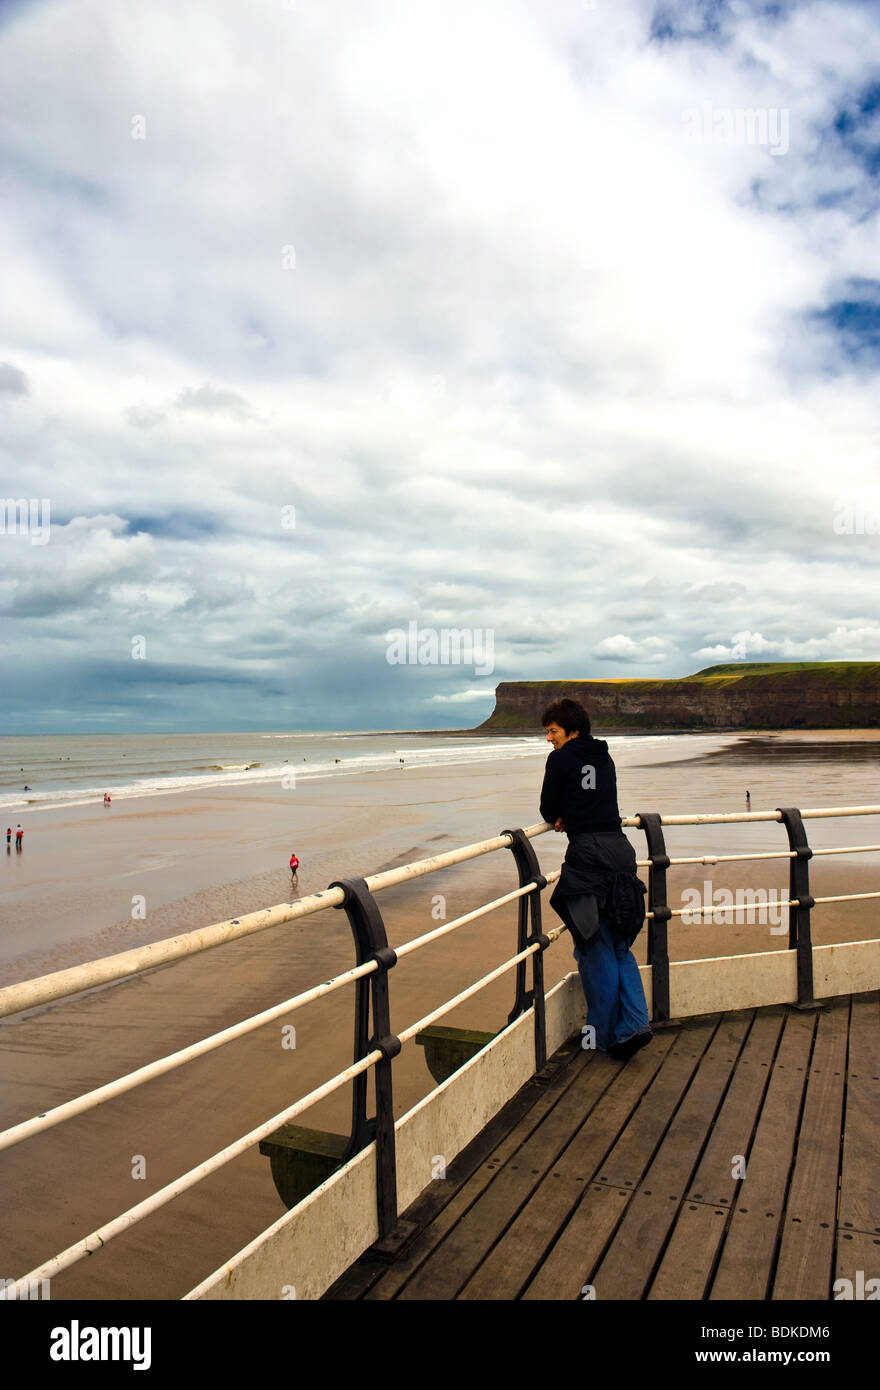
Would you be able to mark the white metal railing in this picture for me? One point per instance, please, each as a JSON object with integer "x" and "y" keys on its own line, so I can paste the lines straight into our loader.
{"x": 26, "y": 995}
{"x": 45, "y": 988}
{"x": 28, "y": 1128}
{"x": 97, "y": 1239}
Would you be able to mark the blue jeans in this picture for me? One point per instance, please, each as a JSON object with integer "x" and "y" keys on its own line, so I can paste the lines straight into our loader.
{"x": 616, "y": 1005}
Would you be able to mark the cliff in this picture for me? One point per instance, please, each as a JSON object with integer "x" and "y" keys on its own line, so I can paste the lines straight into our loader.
{"x": 768, "y": 695}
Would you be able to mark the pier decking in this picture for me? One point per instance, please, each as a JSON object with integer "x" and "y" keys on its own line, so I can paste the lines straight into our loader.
{"x": 733, "y": 1158}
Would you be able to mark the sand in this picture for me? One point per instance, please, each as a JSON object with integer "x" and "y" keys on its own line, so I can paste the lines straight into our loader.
{"x": 197, "y": 859}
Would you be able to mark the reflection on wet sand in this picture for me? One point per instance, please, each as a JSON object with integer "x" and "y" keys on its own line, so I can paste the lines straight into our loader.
{"x": 749, "y": 749}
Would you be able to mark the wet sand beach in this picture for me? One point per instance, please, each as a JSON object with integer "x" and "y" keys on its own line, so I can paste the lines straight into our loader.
{"x": 202, "y": 858}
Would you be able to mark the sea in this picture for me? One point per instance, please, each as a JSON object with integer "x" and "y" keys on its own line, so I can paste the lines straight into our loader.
{"x": 70, "y": 770}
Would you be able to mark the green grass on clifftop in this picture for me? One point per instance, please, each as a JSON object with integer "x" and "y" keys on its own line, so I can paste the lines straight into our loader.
{"x": 838, "y": 673}
{"x": 820, "y": 672}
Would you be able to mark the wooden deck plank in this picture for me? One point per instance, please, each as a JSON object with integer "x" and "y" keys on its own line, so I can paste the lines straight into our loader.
{"x": 749, "y": 1249}
{"x": 859, "y": 1207}
{"x": 858, "y": 1260}
{"x": 564, "y": 1273}
{"x": 629, "y": 1157}
{"x": 734, "y": 1128}
{"x": 447, "y": 1268}
{"x": 686, "y": 1267}
{"x": 690, "y": 1255}
{"x": 628, "y": 1267}
{"x": 445, "y": 1201}
{"x": 511, "y": 1263}
{"x": 806, "y": 1254}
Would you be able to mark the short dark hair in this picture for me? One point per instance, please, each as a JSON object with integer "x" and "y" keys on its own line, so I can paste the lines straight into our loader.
{"x": 569, "y": 715}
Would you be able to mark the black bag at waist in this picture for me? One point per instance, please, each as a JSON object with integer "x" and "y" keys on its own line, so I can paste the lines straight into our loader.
{"x": 599, "y": 873}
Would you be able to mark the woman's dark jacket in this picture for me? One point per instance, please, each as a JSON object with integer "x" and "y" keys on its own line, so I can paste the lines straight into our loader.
{"x": 599, "y": 870}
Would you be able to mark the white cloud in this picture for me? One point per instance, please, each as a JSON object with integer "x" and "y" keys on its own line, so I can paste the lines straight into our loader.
{"x": 623, "y": 648}
{"x": 13, "y": 381}
{"x": 843, "y": 643}
{"x": 539, "y": 367}
{"x": 463, "y": 697}
{"x": 81, "y": 564}
{"x": 743, "y": 646}
{"x": 209, "y": 399}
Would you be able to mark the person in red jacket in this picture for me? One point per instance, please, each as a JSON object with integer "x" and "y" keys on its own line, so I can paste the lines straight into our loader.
{"x": 294, "y": 865}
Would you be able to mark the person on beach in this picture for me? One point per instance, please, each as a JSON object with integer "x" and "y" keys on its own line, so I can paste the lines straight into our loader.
{"x": 294, "y": 867}
{"x": 8, "y": 835}
{"x": 18, "y": 835}
{"x": 106, "y": 798}
{"x": 599, "y": 896}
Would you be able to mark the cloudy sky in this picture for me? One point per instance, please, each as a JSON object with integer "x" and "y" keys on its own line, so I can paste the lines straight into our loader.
{"x": 552, "y": 321}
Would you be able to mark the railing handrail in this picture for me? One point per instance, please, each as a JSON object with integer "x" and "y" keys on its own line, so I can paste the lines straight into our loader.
{"x": 731, "y": 817}
{"x": 43, "y": 989}
{"x": 772, "y": 854}
{"x": 97, "y": 1239}
{"x": 26, "y": 1129}
{"x": 59, "y": 984}
{"x": 703, "y": 911}
{"x": 161, "y": 1066}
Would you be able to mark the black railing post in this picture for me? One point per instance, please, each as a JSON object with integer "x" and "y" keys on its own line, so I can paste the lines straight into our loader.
{"x": 371, "y": 943}
{"x": 799, "y": 932}
{"x": 529, "y": 909}
{"x": 658, "y": 943}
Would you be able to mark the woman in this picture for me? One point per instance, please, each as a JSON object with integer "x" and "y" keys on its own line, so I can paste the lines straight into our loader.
{"x": 599, "y": 895}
